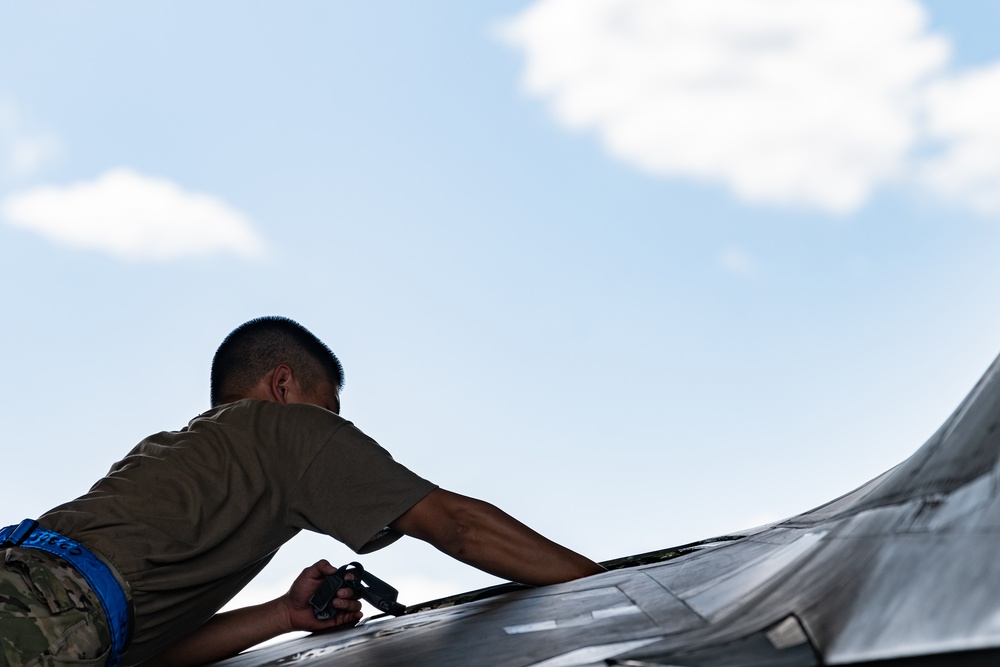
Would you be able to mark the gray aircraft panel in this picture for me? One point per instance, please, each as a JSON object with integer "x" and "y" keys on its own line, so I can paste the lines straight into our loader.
{"x": 902, "y": 571}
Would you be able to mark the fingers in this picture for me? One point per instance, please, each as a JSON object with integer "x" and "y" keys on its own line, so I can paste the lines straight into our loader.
{"x": 325, "y": 567}
{"x": 315, "y": 574}
{"x": 319, "y": 569}
{"x": 352, "y": 618}
{"x": 346, "y": 606}
{"x": 348, "y": 612}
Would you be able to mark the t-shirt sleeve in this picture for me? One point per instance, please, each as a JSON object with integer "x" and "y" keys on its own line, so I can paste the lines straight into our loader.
{"x": 353, "y": 489}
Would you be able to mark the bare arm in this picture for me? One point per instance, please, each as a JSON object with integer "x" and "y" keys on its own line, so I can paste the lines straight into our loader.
{"x": 485, "y": 537}
{"x": 226, "y": 634}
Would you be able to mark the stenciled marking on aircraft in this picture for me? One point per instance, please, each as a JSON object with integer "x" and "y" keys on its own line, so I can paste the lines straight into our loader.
{"x": 615, "y": 611}
{"x": 530, "y": 627}
{"x": 576, "y": 621}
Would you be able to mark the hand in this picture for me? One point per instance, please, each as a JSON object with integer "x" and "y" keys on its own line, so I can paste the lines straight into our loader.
{"x": 295, "y": 603}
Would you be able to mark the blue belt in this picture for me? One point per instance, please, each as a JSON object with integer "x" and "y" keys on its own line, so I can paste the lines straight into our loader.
{"x": 29, "y": 535}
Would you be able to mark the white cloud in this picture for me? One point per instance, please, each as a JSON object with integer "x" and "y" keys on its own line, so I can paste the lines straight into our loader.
{"x": 807, "y": 102}
{"x": 133, "y": 216}
{"x": 963, "y": 114}
{"x": 23, "y": 151}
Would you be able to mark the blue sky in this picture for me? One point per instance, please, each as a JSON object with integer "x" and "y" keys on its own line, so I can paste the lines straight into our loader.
{"x": 637, "y": 280}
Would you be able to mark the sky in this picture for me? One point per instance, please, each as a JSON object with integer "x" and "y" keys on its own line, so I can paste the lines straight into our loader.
{"x": 638, "y": 272}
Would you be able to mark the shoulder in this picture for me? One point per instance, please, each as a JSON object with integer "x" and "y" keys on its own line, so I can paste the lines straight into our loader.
{"x": 275, "y": 419}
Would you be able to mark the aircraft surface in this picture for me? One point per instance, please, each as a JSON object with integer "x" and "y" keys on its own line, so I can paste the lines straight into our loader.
{"x": 904, "y": 570}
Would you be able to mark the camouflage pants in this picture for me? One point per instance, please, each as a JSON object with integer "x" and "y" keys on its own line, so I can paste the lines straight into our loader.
{"x": 48, "y": 613}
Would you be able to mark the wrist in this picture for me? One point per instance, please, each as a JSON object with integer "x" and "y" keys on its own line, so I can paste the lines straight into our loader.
{"x": 281, "y": 613}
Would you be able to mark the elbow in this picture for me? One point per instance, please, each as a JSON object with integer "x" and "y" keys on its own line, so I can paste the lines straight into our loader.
{"x": 454, "y": 524}
{"x": 459, "y": 538}
{"x": 463, "y": 533}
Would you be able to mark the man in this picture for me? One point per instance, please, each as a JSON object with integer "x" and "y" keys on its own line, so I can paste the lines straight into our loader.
{"x": 188, "y": 518}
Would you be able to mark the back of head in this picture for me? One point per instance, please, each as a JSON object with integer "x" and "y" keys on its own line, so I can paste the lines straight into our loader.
{"x": 254, "y": 349}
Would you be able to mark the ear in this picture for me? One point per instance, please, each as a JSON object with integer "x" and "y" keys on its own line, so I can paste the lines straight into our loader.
{"x": 280, "y": 385}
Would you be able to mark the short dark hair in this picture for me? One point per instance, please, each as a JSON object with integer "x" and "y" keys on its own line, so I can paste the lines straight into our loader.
{"x": 258, "y": 346}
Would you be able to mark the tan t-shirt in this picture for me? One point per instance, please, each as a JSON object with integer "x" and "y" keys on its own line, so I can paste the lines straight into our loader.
{"x": 189, "y": 517}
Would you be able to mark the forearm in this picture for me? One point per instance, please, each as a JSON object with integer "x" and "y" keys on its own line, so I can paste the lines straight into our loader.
{"x": 497, "y": 543}
{"x": 225, "y": 635}
{"x": 485, "y": 537}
